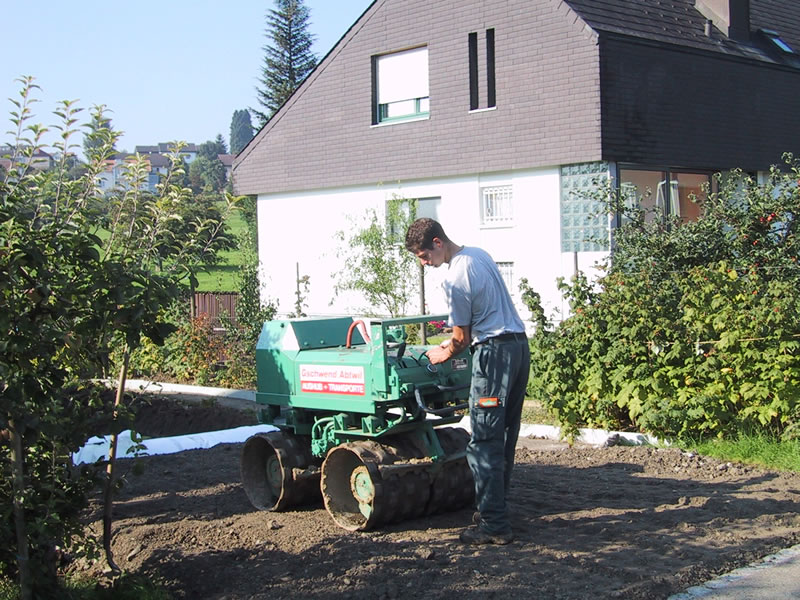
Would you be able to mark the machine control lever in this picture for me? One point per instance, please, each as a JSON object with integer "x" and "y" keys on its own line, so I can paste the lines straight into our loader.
{"x": 449, "y": 410}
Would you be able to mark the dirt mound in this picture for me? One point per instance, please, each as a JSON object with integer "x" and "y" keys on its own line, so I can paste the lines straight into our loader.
{"x": 158, "y": 416}
{"x": 619, "y": 522}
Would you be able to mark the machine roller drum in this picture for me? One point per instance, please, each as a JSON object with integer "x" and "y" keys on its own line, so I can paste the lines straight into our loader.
{"x": 366, "y": 484}
{"x": 278, "y": 471}
{"x": 453, "y": 486}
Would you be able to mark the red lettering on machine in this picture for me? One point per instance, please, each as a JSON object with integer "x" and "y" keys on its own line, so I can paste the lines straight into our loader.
{"x": 332, "y": 379}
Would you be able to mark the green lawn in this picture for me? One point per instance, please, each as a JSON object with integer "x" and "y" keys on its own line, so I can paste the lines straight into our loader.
{"x": 222, "y": 278}
{"x": 756, "y": 449}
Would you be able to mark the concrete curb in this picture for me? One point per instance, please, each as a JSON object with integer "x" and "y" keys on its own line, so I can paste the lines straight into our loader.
{"x": 775, "y": 576}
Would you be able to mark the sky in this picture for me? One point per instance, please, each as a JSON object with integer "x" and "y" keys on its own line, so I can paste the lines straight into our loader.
{"x": 168, "y": 70}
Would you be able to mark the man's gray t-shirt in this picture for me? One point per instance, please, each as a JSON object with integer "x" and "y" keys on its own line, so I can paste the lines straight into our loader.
{"x": 477, "y": 296}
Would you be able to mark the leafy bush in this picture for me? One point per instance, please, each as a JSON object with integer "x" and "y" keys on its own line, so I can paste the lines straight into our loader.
{"x": 691, "y": 331}
{"x": 196, "y": 353}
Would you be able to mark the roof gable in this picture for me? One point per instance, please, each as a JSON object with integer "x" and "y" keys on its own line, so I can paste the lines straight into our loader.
{"x": 325, "y": 134}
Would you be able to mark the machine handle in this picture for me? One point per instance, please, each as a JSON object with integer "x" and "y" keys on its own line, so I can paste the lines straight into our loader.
{"x": 449, "y": 410}
{"x": 452, "y": 388}
{"x": 352, "y": 327}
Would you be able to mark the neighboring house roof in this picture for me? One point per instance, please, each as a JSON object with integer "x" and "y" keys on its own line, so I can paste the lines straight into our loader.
{"x": 164, "y": 148}
{"x": 226, "y": 159}
{"x": 154, "y": 159}
{"x": 158, "y": 160}
{"x": 167, "y": 147}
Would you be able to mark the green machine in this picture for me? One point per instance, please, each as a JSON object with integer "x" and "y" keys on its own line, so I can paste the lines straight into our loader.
{"x": 362, "y": 419}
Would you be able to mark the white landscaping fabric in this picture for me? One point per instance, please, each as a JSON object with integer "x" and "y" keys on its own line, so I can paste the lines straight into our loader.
{"x": 97, "y": 447}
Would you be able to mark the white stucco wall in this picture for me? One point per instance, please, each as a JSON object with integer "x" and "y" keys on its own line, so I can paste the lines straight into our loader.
{"x": 301, "y": 229}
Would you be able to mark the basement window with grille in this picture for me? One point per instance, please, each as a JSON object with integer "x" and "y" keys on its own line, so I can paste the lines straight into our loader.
{"x": 400, "y": 86}
{"x": 496, "y": 206}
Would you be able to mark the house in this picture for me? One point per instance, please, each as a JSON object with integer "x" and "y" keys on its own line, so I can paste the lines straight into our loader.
{"x": 113, "y": 176}
{"x": 493, "y": 114}
{"x": 227, "y": 162}
{"x": 158, "y": 161}
{"x": 189, "y": 151}
{"x": 38, "y": 159}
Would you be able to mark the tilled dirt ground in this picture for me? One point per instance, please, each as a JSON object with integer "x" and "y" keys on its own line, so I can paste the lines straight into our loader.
{"x": 618, "y": 522}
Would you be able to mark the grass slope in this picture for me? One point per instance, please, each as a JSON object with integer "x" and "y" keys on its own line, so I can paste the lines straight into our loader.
{"x": 222, "y": 277}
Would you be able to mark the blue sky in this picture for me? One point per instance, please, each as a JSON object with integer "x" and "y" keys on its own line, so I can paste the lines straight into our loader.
{"x": 168, "y": 70}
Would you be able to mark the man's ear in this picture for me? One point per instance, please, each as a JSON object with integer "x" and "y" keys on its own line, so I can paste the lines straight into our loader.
{"x": 437, "y": 242}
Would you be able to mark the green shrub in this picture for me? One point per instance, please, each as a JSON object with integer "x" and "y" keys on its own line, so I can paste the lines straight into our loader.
{"x": 691, "y": 331}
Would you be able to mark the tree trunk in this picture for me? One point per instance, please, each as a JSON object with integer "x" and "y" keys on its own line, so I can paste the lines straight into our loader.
{"x": 108, "y": 500}
{"x": 192, "y": 301}
{"x": 18, "y": 486}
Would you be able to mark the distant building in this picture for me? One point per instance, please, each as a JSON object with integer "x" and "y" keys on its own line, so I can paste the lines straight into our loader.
{"x": 189, "y": 151}
{"x": 39, "y": 160}
{"x": 157, "y": 157}
{"x": 227, "y": 160}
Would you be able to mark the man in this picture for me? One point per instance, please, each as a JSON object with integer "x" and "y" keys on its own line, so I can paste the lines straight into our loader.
{"x": 484, "y": 318}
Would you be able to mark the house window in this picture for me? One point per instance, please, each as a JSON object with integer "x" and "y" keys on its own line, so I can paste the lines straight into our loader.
{"x": 397, "y": 213}
{"x": 661, "y": 193}
{"x": 584, "y": 220}
{"x": 507, "y": 273}
{"x": 400, "y": 86}
{"x": 496, "y": 205}
{"x": 474, "y": 87}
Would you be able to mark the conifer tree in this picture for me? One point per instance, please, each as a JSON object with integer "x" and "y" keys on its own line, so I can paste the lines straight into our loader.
{"x": 288, "y": 58}
{"x": 241, "y": 130}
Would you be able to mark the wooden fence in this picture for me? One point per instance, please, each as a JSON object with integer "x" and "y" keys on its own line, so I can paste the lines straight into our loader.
{"x": 216, "y": 305}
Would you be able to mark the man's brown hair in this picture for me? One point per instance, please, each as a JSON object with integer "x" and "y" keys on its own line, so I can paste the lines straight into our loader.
{"x": 420, "y": 235}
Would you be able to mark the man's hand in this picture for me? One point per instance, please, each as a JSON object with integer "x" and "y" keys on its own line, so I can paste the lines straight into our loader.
{"x": 449, "y": 348}
{"x": 440, "y": 353}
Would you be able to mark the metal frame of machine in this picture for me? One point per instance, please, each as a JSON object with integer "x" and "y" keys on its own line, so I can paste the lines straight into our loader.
{"x": 372, "y": 406}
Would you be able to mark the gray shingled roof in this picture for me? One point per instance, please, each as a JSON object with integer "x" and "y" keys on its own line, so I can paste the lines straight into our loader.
{"x": 679, "y": 22}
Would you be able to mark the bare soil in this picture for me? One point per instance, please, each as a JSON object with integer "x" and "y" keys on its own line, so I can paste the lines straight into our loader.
{"x": 617, "y": 522}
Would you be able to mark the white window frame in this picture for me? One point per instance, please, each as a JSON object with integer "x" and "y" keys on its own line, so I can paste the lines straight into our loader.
{"x": 401, "y": 86}
{"x": 497, "y": 205}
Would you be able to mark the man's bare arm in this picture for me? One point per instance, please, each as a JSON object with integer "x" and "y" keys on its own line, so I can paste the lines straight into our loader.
{"x": 451, "y": 347}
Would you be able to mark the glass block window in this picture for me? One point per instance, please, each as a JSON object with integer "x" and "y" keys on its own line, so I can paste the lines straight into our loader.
{"x": 584, "y": 224}
{"x": 507, "y": 273}
{"x": 496, "y": 205}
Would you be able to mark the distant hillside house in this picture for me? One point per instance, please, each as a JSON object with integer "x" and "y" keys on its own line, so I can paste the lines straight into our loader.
{"x": 189, "y": 151}
{"x": 227, "y": 161}
{"x": 39, "y": 160}
{"x": 494, "y": 113}
{"x": 157, "y": 157}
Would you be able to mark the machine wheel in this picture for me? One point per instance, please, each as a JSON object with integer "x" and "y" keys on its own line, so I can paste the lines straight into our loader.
{"x": 278, "y": 471}
{"x": 367, "y": 484}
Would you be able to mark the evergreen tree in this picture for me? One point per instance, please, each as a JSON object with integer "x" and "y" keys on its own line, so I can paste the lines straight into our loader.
{"x": 241, "y": 130}
{"x": 220, "y": 142}
{"x": 212, "y": 149}
{"x": 96, "y": 134}
{"x": 288, "y": 58}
